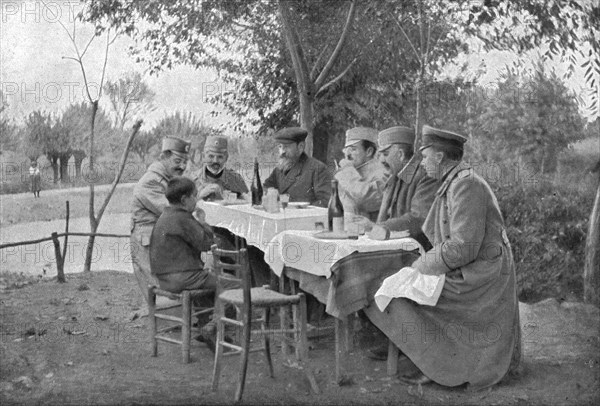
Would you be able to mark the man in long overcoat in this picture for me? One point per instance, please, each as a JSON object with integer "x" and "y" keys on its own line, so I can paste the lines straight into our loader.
{"x": 472, "y": 335}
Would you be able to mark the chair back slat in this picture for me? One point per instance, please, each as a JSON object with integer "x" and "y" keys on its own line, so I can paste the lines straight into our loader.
{"x": 240, "y": 267}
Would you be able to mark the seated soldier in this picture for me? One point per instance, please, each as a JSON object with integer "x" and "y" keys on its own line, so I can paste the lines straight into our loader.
{"x": 361, "y": 177}
{"x": 214, "y": 178}
{"x": 177, "y": 242}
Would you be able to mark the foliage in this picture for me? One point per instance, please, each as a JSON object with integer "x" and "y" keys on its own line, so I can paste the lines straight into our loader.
{"x": 7, "y": 129}
{"x": 547, "y": 226}
{"x": 75, "y": 124}
{"x": 534, "y": 120}
{"x": 130, "y": 97}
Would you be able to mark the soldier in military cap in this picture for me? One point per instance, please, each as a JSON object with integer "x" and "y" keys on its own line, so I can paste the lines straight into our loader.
{"x": 409, "y": 192}
{"x": 304, "y": 178}
{"x": 149, "y": 201}
{"x": 361, "y": 177}
{"x": 213, "y": 178}
{"x": 450, "y": 342}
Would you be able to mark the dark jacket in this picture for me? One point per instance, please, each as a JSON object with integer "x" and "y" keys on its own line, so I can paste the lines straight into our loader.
{"x": 309, "y": 180}
{"x": 177, "y": 241}
{"x": 407, "y": 199}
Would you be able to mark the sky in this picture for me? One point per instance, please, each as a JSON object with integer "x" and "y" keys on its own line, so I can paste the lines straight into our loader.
{"x": 35, "y": 74}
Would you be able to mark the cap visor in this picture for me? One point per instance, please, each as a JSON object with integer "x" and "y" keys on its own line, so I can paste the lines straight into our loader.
{"x": 350, "y": 143}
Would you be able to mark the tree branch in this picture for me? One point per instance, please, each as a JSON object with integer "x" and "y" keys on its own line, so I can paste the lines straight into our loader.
{"x": 338, "y": 49}
{"x": 313, "y": 71}
{"x": 88, "y": 45}
{"x": 336, "y": 79}
{"x": 407, "y": 38}
{"x": 136, "y": 129}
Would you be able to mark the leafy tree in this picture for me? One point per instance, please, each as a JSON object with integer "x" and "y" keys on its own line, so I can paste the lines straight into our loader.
{"x": 185, "y": 126}
{"x": 75, "y": 125}
{"x": 130, "y": 97}
{"x": 535, "y": 119}
{"x": 7, "y": 129}
{"x": 41, "y": 136}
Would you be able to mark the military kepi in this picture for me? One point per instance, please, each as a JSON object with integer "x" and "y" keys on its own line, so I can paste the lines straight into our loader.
{"x": 290, "y": 135}
{"x": 174, "y": 144}
{"x": 357, "y": 134}
{"x": 436, "y": 137}
{"x": 396, "y": 135}
{"x": 217, "y": 144}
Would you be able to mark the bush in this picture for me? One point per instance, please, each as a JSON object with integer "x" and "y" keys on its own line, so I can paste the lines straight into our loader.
{"x": 547, "y": 226}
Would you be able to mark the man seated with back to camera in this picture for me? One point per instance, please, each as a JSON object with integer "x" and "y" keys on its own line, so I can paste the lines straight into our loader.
{"x": 176, "y": 244}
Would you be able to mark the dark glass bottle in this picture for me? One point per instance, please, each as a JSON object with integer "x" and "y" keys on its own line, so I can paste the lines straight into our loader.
{"x": 335, "y": 210}
{"x": 256, "y": 188}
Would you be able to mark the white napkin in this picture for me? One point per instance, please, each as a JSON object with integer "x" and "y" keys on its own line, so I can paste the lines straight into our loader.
{"x": 411, "y": 284}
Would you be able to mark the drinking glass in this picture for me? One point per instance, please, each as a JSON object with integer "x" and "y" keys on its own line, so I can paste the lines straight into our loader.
{"x": 284, "y": 199}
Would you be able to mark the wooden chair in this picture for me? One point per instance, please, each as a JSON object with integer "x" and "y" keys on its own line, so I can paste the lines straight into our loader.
{"x": 246, "y": 298}
{"x": 184, "y": 300}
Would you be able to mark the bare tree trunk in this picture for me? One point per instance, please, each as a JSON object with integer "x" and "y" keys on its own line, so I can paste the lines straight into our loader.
{"x": 64, "y": 167}
{"x": 93, "y": 222}
{"x": 54, "y": 164}
{"x": 591, "y": 270}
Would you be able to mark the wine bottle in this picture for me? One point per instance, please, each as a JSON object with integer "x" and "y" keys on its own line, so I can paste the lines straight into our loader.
{"x": 256, "y": 188}
{"x": 335, "y": 210}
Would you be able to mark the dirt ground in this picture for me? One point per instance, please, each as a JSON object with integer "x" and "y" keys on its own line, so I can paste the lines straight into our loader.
{"x": 86, "y": 342}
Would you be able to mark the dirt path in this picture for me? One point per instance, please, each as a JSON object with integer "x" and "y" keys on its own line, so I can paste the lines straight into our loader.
{"x": 86, "y": 342}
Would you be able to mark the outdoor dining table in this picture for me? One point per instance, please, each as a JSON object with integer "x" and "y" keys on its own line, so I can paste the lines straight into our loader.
{"x": 343, "y": 274}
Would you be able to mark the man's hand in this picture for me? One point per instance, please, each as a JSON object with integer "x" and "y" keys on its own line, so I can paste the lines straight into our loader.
{"x": 378, "y": 232}
{"x": 200, "y": 215}
{"x": 208, "y": 190}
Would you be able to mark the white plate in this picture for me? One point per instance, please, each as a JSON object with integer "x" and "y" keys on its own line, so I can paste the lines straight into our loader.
{"x": 298, "y": 205}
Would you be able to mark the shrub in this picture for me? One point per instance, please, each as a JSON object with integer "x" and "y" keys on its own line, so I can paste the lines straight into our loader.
{"x": 547, "y": 225}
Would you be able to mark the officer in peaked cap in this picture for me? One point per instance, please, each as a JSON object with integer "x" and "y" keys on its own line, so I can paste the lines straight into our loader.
{"x": 443, "y": 139}
{"x": 214, "y": 177}
{"x": 176, "y": 145}
{"x": 361, "y": 177}
{"x": 149, "y": 200}
{"x": 396, "y": 135}
{"x": 470, "y": 247}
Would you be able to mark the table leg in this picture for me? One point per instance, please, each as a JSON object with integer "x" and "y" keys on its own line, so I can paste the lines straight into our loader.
{"x": 392, "y": 358}
{"x": 341, "y": 348}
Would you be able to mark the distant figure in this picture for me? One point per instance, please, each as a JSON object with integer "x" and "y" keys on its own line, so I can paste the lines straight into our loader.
{"x": 36, "y": 179}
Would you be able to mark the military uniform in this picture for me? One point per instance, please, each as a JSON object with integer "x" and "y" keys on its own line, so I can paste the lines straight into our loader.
{"x": 228, "y": 179}
{"x": 148, "y": 203}
{"x": 407, "y": 199}
{"x": 472, "y": 335}
{"x": 361, "y": 188}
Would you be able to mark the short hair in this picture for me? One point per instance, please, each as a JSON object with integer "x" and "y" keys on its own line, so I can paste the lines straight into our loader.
{"x": 368, "y": 144}
{"x": 407, "y": 150}
{"x": 178, "y": 187}
{"x": 450, "y": 151}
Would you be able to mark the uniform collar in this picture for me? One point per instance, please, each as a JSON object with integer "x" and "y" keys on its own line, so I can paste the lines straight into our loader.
{"x": 450, "y": 173}
{"x": 408, "y": 172}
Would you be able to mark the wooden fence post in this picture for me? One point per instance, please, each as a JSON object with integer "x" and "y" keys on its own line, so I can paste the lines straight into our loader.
{"x": 60, "y": 277}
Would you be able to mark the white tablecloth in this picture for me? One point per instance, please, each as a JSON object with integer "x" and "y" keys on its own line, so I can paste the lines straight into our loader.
{"x": 300, "y": 250}
{"x": 259, "y": 227}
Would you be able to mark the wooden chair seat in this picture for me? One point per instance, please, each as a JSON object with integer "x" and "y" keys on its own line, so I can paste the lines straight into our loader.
{"x": 245, "y": 299}
{"x": 260, "y": 297}
{"x": 170, "y": 300}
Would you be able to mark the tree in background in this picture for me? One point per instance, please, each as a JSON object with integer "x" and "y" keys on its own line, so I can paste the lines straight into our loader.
{"x": 130, "y": 98}
{"x": 534, "y": 116}
{"x": 7, "y": 129}
{"x": 143, "y": 143}
{"x": 75, "y": 124}
{"x": 186, "y": 126}
{"x": 40, "y": 135}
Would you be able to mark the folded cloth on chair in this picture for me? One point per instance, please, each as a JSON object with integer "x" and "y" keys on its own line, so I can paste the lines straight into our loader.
{"x": 411, "y": 284}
